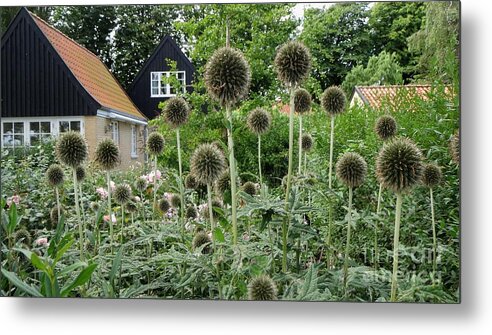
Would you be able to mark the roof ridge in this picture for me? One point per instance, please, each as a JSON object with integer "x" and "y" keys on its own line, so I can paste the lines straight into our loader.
{"x": 389, "y": 86}
{"x": 63, "y": 34}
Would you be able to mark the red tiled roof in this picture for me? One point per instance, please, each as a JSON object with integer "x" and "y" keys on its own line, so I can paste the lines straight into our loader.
{"x": 375, "y": 95}
{"x": 90, "y": 71}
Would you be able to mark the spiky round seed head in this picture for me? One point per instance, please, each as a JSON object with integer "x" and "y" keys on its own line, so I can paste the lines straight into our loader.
{"x": 262, "y": 288}
{"x": 176, "y": 111}
{"x": 107, "y": 154}
{"x": 259, "y": 121}
{"x": 155, "y": 144}
{"x": 302, "y": 101}
{"x": 333, "y": 100}
{"x": 94, "y": 206}
{"x": 191, "y": 212}
{"x": 293, "y": 63}
{"x": 399, "y": 165}
{"x": 306, "y": 142}
{"x": 175, "y": 201}
{"x": 219, "y": 145}
{"x": 431, "y": 175}
{"x": 131, "y": 206}
{"x": 80, "y": 173}
{"x": 164, "y": 205}
{"x": 385, "y": 127}
{"x": 200, "y": 239}
{"x": 122, "y": 194}
{"x": 351, "y": 169}
{"x": 141, "y": 184}
{"x": 227, "y": 76}
{"x": 249, "y": 188}
{"x": 454, "y": 147}
{"x": 223, "y": 183}
{"x": 215, "y": 204}
{"x": 54, "y": 216}
{"x": 207, "y": 163}
{"x": 55, "y": 175}
{"x": 71, "y": 149}
{"x": 23, "y": 235}
{"x": 190, "y": 182}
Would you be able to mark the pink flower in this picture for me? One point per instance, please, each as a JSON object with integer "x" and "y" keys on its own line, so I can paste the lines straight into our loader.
{"x": 13, "y": 199}
{"x": 137, "y": 198}
{"x": 150, "y": 176}
{"x": 42, "y": 242}
{"x": 102, "y": 192}
{"x": 245, "y": 237}
{"x": 106, "y": 218}
{"x": 113, "y": 185}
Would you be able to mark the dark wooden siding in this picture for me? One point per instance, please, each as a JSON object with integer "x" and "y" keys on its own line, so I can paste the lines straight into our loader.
{"x": 34, "y": 79}
{"x": 139, "y": 91}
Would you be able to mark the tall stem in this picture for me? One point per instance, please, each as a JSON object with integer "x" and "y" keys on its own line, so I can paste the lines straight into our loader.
{"x": 434, "y": 238}
{"x": 286, "y": 221}
{"x": 122, "y": 223}
{"x": 305, "y": 162}
{"x": 300, "y": 145}
{"x": 210, "y": 210}
{"x": 396, "y": 246}
{"x": 347, "y": 245}
{"x": 77, "y": 209}
{"x": 328, "y": 238}
{"x": 110, "y": 212}
{"x": 82, "y": 208}
{"x": 378, "y": 208}
{"x": 259, "y": 160}
{"x": 58, "y": 203}
{"x": 332, "y": 135}
{"x": 155, "y": 183}
{"x": 232, "y": 167}
{"x": 181, "y": 187}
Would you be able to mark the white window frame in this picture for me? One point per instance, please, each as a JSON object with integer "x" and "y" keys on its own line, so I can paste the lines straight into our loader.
{"x": 13, "y": 134}
{"x": 166, "y": 86}
{"x": 133, "y": 146}
{"x": 39, "y": 134}
{"x": 54, "y": 125}
{"x": 115, "y": 132}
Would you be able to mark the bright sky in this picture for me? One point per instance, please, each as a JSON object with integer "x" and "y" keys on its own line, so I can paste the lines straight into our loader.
{"x": 298, "y": 10}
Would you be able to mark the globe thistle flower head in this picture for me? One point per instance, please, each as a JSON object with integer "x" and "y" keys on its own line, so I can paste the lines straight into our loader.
{"x": 141, "y": 184}
{"x": 191, "y": 212}
{"x": 164, "y": 205}
{"x": 293, "y": 63}
{"x": 176, "y": 111}
{"x": 94, "y": 206}
{"x": 351, "y": 169}
{"x": 454, "y": 147}
{"x": 175, "y": 201}
{"x": 131, "y": 206}
{"x": 55, "y": 175}
{"x": 155, "y": 144}
{"x": 24, "y": 236}
{"x": 107, "y": 154}
{"x": 259, "y": 121}
{"x": 207, "y": 163}
{"x": 306, "y": 142}
{"x": 249, "y": 188}
{"x": 205, "y": 212}
{"x": 80, "y": 173}
{"x": 122, "y": 194}
{"x": 190, "y": 182}
{"x": 302, "y": 101}
{"x": 385, "y": 127}
{"x": 431, "y": 175}
{"x": 333, "y": 100}
{"x": 227, "y": 76}
{"x": 223, "y": 183}
{"x": 71, "y": 149}
{"x": 262, "y": 288}
{"x": 399, "y": 165}
{"x": 201, "y": 239}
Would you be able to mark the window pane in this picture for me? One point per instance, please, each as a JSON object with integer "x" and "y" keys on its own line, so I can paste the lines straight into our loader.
{"x": 64, "y": 126}
{"x": 46, "y": 127}
{"x": 7, "y": 126}
{"x": 181, "y": 75}
{"x": 7, "y": 139}
{"x": 34, "y": 127}
{"x": 155, "y": 76}
{"x": 155, "y": 91}
{"x": 19, "y": 127}
{"x": 172, "y": 90}
{"x": 75, "y": 125}
{"x": 18, "y": 139}
{"x": 163, "y": 90}
{"x": 34, "y": 139}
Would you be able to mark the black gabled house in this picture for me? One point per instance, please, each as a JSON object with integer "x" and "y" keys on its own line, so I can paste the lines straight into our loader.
{"x": 148, "y": 88}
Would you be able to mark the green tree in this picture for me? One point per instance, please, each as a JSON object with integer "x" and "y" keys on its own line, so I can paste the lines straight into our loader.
{"x": 7, "y": 14}
{"x": 382, "y": 69}
{"x": 339, "y": 39}
{"x": 391, "y": 24}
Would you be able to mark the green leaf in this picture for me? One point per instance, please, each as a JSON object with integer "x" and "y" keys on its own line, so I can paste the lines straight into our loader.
{"x": 81, "y": 279}
{"x": 12, "y": 277}
{"x": 70, "y": 268}
{"x": 218, "y": 235}
{"x": 116, "y": 264}
{"x": 40, "y": 265}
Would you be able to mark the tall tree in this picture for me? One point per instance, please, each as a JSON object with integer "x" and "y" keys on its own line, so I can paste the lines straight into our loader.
{"x": 90, "y": 26}
{"x": 7, "y": 14}
{"x": 339, "y": 39}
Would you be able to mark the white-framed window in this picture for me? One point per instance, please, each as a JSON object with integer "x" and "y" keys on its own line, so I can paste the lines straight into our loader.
{"x": 160, "y": 87}
{"x": 39, "y": 131}
{"x": 13, "y": 134}
{"x": 134, "y": 142}
{"x": 115, "y": 132}
{"x": 66, "y": 125}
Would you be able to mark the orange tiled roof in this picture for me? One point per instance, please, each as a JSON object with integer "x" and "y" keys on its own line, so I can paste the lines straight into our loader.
{"x": 92, "y": 74}
{"x": 375, "y": 95}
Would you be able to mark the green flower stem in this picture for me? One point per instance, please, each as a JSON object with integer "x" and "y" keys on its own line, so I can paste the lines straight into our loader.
{"x": 378, "y": 208}
{"x": 332, "y": 136}
{"x": 155, "y": 183}
{"x": 110, "y": 212}
{"x": 122, "y": 222}
{"x": 434, "y": 237}
{"x": 347, "y": 245}
{"x": 396, "y": 246}
{"x": 58, "y": 203}
{"x": 300, "y": 145}
{"x": 181, "y": 187}
{"x": 210, "y": 210}
{"x": 378, "y": 211}
{"x": 259, "y": 159}
{"x": 82, "y": 209}
{"x": 232, "y": 167}
{"x": 77, "y": 210}
{"x": 328, "y": 238}
{"x": 305, "y": 162}
{"x": 286, "y": 221}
